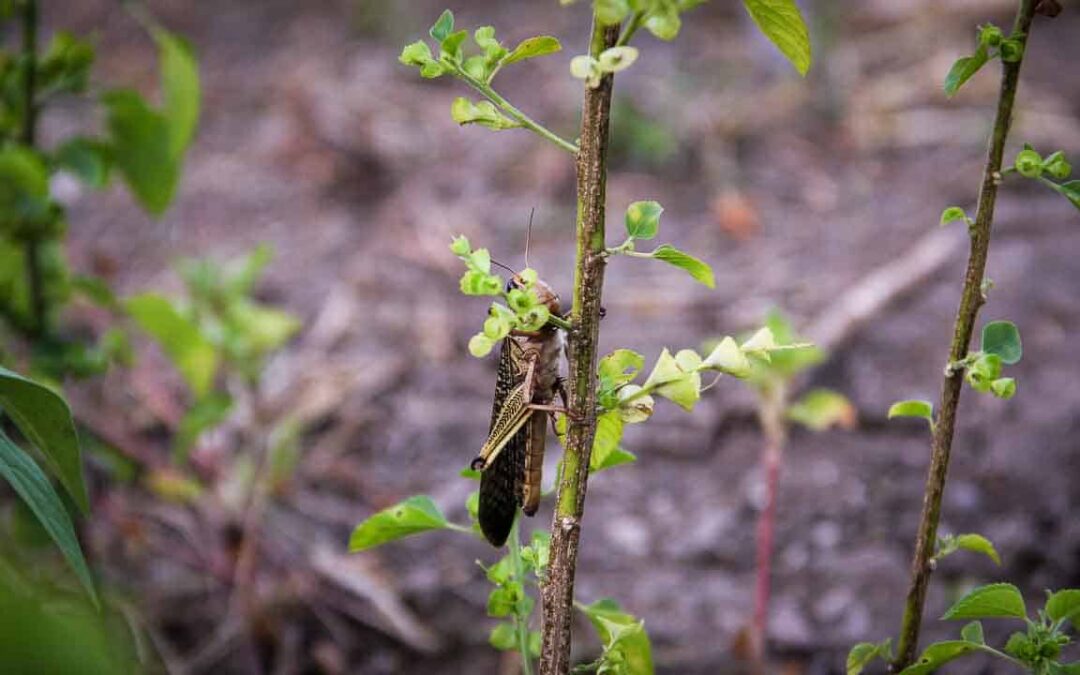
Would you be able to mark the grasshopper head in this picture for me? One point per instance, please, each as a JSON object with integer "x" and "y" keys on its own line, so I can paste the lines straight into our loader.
{"x": 544, "y": 293}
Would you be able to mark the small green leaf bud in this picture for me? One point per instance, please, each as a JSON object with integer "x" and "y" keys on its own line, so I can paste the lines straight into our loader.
{"x": 492, "y": 284}
{"x": 1057, "y": 166}
{"x": 520, "y": 301}
{"x": 528, "y": 277}
{"x": 990, "y": 35}
{"x": 480, "y": 345}
{"x": 1029, "y": 163}
{"x": 460, "y": 245}
{"x": 1011, "y": 50}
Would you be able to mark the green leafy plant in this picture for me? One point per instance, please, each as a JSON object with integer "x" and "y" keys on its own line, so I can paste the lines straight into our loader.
{"x": 1037, "y": 649}
{"x": 217, "y": 337}
{"x": 603, "y": 396}
{"x": 982, "y": 369}
{"x": 143, "y": 143}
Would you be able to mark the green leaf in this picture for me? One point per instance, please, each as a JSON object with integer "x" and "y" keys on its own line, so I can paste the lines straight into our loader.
{"x": 181, "y": 340}
{"x": 142, "y": 142}
{"x": 964, "y": 68}
{"x": 643, "y": 219}
{"x": 207, "y": 413}
{"x": 937, "y": 655}
{"x": 1064, "y": 604}
{"x": 952, "y": 214}
{"x": 622, "y": 632}
{"x": 416, "y": 54}
{"x": 443, "y": 27}
{"x": 973, "y": 632}
{"x": 180, "y": 85}
{"x": 620, "y": 366}
{"x": 484, "y": 113}
{"x": 695, "y": 267}
{"x": 610, "y": 12}
{"x": 864, "y": 653}
{"x": 663, "y": 20}
{"x": 33, "y": 487}
{"x": 728, "y": 358}
{"x": 24, "y": 189}
{"x": 44, "y": 419}
{"x": 451, "y": 46}
{"x": 670, "y": 380}
{"x": 533, "y": 47}
{"x": 1003, "y": 387}
{"x": 616, "y": 457}
{"x": 414, "y": 515}
{"x": 781, "y": 22}
{"x": 609, "y": 430}
{"x": 502, "y": 600}
{"x": 987, "y": 602}
{"x": 616, "y": 59}
{"x": 823, "y": 409}
{"x": 503, "y": 637}
{"x": 913, "y": 408}
{"x": 1002, "y": 338}
{"x": 87, "y": 159}
{"x": 977, "y": 543}
{"x": 633, "y": 406}
{"x": 480, "y": 345}
{"x": 1070, "y": 190}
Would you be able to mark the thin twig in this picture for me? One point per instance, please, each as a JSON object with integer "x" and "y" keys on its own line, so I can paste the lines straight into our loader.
{"x": 558, "y": 589}
{"x": 970, "y": 301}
{"x": 29, "y": 138}
{"x": 515, "y": 114}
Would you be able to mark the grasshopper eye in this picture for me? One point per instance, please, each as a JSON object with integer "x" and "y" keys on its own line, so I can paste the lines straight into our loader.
{"x": 511, "y": 284}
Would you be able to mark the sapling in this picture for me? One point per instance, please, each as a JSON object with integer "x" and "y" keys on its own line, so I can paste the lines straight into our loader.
{"x": 982, "y": 369}
{"x": 602, "y": 396}
{"x": 819, "y": 409}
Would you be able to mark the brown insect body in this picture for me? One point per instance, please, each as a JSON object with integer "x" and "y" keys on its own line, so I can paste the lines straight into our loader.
{"x": 512, "y": 458}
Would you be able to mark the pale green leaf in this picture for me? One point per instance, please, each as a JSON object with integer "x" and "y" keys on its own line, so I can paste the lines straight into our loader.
{"x": 181, "y": 340}
{"x": 180, "y": 84}
{"x": 142, "y": 148}
{"x": 1065, "y": 605}
{"x": 643, "y": 219}
{"x": 620, "y": 366}
{"x": 412, "y": 516}
{"x": 913, "y": 408}
{"x": 698, "y": 269}
{"x": 728, "y": 358}
{"x": 782, "y": 22}
{"x": 937, "y": 655}
{"x": 973, "y": 632}
{"x": 986, "y": 602}
{"x": 976, "y": 543}
{"x": 616, "y": 59}
{"x": 964, "y": 68}
{"x": 533, "y": 47}
{"x": 609, "y": 430}
{"x": 864, "y": 653}
{"x": 823, "y": 409}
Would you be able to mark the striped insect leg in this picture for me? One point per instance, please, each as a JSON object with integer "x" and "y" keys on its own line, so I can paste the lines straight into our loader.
{"x": 536, "y": 428}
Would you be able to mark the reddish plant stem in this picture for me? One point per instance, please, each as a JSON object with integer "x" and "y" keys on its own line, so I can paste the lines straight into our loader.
{"x": 771, "y": 411}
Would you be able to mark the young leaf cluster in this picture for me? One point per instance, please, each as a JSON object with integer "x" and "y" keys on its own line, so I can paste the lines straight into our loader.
{"x": 477, "y": 64}
{"x": 992, "y": 44}
{"x": 522, "y": 310}
{"x": 1052, "y": 171}
{"x": 1000, "y": 346}
{"x": 643, "y": 224}
{"x": 626, "y": 646}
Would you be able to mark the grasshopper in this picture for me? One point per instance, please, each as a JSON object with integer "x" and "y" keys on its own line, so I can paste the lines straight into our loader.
{"x": 512, "y": 457}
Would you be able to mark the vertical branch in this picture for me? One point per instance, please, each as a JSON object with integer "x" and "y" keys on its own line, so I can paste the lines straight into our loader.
{"x": 558, "y": 588}
{"x": 971, "y": 300}
{"x": 28, "y": 137}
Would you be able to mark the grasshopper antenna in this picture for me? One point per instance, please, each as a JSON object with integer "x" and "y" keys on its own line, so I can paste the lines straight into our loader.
{"x": 528, "y": 236}
{"x": 505, "y": 267}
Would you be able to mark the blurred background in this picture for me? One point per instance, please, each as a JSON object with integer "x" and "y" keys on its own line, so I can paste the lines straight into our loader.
{"x": 818, "y": 196}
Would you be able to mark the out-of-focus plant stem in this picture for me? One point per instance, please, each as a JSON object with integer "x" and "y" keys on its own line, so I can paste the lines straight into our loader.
{"x": 28, "y": 137}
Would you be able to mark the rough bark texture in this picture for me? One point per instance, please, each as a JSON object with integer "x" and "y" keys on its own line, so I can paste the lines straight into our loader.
{"x": 970, "y": 301}
{"x": 558, "y": 591}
